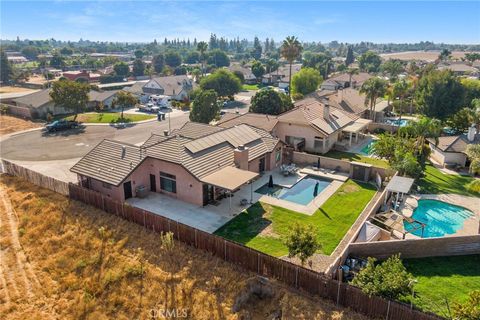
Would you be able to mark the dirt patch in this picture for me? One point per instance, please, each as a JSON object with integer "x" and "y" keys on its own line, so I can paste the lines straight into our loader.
{"x": 349, "y": 189}
{"x": 93, "y": 265}
{"x": 9, "y": 124}
{"x": 10, "y": 89}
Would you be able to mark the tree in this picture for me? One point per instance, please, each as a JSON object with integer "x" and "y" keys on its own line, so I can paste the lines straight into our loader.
{"x": 306, "y": 81}
{"x": 204, "y": 107}
{"x": 6, "y": 70}
{"x": 407, "y": 164}
{"x": 445, "y": 54}
{"x": 57, "y": 61}
{"x": 472, "y": 90}
{"x": 66, "y": 51}
{"x": 319, "y": 61}
{"x": 257, "y": 49}
{"x": 302, "y": 241}
{"x": 138, "y": 68}
{"x": 400, "y": 90}
{"x": 271, "y": 65}
{"x": 218, "y": 58}
{"x": 202, "y": 47}
{"x": 139, "y": 54}
{"x": 369, "y": 62}
{"x": 196, "y": 73}
{"x": 373, "y": 88}
{"x": 121, "y": 69}
{"x": 158, "y": 63}
{"x": 470, "y": 309}
{"x": 388, "y": 279}
{"x": 258, "y": 69}
{"x": 192, "y": 57}
{"x": 173, "y": 59}
{"x": 30, "y": 52}
{"x": 180, "y": 70}
{"x": 223, "y": 82}
{"x": 125, "y": 99}
{"x": 240, "y": 76}
{"x": 350, "y": 58}
{"x": 393, "y": 68}
{"x": 269, "y": 101}
{"x": 421, "y": 130}
{"x": 472, "y": 56}
{"x": 473, "y": 153}
{"x": 291, "y": 50}
{"x": 351, "y": 72}
{"x": 439, "y": 94}
{"x": 462, "y": 119}
{"x": 70, "y": 95}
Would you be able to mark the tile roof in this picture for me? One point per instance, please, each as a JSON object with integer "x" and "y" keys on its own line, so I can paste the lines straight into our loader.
{"x": 199, "y": 148}
{"x": 262, "y": 121}
{"x": 173, "y": 85}
{"x": 454, "y": 143}
{"x": 310, "y": 112}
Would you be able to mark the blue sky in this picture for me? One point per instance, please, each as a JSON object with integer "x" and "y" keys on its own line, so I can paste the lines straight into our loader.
{"x": 376, "y": 21}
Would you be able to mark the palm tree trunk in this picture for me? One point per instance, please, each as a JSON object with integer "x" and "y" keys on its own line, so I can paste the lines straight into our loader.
{"x": 290, "y": 81}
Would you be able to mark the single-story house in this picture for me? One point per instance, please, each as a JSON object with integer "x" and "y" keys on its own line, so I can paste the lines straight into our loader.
{"x": 281, "y": 76}
{"x": 450, "y": 150}
{"x": 262, "y": 121}
{"x": 197, "y": 163}
{"x": 83, "y": 74}
{"x": 40, "y": 104}
{"x": 248, "y": 75}
{"x": 460, "y": 69}
{"x": 176, "y": 87}
{"x": 342, "y": 81}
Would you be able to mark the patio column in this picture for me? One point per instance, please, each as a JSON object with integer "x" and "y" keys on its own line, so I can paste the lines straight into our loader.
{"x": 350, "y": 140}
{"x": 324, "y": 147}
{"x": 251, "y": 192}
{"x": 230, "y": 192}
{"x": 356, "y": 137}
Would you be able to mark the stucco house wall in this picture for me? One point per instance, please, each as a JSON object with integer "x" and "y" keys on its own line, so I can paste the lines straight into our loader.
{"x": 444, "y": 158}
{"x": 284, "y": 129}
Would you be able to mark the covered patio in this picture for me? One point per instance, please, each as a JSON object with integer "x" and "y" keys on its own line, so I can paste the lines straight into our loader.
{"x": 396, "y": 189}
{"x": 353, "y": 132}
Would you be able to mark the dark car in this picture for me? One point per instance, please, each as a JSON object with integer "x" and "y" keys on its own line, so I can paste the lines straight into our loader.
{"x": 59, "y": 125}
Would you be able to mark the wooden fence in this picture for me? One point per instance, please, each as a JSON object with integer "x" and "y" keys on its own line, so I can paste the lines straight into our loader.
{"x": 35, "y": 177}
{"x": 264, "y": 265}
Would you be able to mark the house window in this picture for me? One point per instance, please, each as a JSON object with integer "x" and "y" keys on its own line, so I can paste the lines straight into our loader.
{"x": 168, "y": 182}
{"x": 278, "y": 155}
{"x": 318, "y": 143}
{"x": 289, "y": 140}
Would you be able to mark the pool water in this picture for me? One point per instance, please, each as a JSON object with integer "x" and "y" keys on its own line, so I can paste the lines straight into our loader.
{"x": 368, "y": 148}
{"x": 397, "y": 122}
{"x": 301, "y": 192}
{"x": 441, "y": 218}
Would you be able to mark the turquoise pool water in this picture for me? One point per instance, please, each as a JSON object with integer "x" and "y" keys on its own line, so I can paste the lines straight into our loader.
{"x": 397, "y": 122}
{"x": 367, "y": 150}
{"x": 441, "y": 218}
{"x": 301, "y": 192}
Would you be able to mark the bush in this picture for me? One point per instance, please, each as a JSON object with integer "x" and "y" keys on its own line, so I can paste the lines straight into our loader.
{"x": 470, "y": 310}
{"x": 297, "y": 96}
{"x": 474, "y": 186}
{"x": 379, "y": 131}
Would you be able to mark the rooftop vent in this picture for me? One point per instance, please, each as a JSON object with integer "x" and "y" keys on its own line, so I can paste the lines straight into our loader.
{"x": 165, "y": 133}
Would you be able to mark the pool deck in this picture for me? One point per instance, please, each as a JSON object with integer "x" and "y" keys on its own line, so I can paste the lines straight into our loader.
{"x": 337, "y": 180}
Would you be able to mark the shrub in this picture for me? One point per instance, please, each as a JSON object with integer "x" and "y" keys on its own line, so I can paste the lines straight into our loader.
{"x": 474, "y": 186}
{"x": 470, "y": 310}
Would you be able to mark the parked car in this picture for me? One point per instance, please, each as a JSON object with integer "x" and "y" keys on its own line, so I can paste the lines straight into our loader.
{"x": 59, "y": 125}
{"x": 149, "y": 107}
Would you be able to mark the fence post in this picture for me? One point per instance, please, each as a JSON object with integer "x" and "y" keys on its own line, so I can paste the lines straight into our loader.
{"x": 258, "y": 263}
{"x": 225, "y": 249}
{"x": 178, "y": 233}
{"x": 388, "y": 310}
{"x": 196, "y": 245}
{"x": 296, "y": 276}
{"x": 338, "y": 293}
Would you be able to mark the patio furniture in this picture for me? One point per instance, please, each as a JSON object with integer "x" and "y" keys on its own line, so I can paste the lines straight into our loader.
{"x": 243, "y": 202}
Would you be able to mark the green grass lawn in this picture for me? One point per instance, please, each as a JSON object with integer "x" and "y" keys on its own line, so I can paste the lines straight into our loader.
{"x": 441, "y": 278}
{"x": 247, "y": 87}
{"x": 356, "y": 157}
{"x": 109, "y": 117}
{"x": 436, "y": 181}
{"x": 263, "y": 227}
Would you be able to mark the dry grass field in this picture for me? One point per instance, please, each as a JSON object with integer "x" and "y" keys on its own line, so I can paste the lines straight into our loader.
{"x": 420, "y": 55}
{"x": 11, "y": 89}
{"x": 9, "y": 124}
{"x": 61, "y": 259}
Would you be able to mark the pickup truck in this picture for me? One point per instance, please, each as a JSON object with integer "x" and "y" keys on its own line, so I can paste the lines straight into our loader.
{"x": 59, "y": 125}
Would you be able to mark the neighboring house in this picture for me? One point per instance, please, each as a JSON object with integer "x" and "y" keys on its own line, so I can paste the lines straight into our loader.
{"x": 247, "y": 73}
{"x": 342, "y": 81}
{"x": 40, "y": 104}
{"x": 281, "y": 76}
{"x": 450, "y": 150}
{"x": 83, "y": 74}
{"x": 176, "y": 87}
{"x": 460, "y": 69}
{"x": 197, "y": 163}
{"x": 15, "y": 57}
{"x": 262, "y": 121}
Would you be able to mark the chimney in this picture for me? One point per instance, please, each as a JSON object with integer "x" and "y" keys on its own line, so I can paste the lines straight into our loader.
{"x": 326, "y": 112}
{"x": 472, "y": 131}
{"x": 240, "y": 157}
{"x": 165, "y": 133}
{"x": 124, "y": 150}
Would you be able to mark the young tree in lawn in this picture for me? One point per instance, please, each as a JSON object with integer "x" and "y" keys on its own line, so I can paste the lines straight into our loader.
{"x": 204, "y": 107}
{"x": 373, "y": 88}
{"x": 306, "y": 81}
{"x": 202, "y": 47}
{"x": 125, "y": 99}
{"x": 258, "y": 69}
{"x": 224, "y": 82}
{"x": 70, "y": 95}
{"x": 291, "y": 50}
{"x": 302, "y": 242}
{"x": 158, "y": 63}
{"x": 121, "y": 69}
{"x": 389, "y": 279}
{"x": 270, "y": 101}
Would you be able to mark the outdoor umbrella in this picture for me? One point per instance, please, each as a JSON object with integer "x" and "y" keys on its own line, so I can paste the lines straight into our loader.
{"x": 315, "y": 191}
{"x": 270, "y": 182}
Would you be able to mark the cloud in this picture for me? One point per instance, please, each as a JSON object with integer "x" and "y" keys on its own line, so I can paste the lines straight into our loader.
{"x": 324, "y": 21}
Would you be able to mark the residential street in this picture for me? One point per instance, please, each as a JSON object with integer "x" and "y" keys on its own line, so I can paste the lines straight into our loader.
{"x": 38, "y": 146}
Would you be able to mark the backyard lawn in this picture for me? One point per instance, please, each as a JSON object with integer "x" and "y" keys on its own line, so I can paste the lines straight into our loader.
{"x": 441, "y": 278}
{"x": 109, "y": 117}
{"x": 247, "y": 87}
{"x": 263, "y": 227}
{"x": 356, "y": 157}
{"x": 436, "y": 181}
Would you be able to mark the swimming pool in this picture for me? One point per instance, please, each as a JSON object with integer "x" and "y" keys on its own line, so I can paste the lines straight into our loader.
{"x": 301, "y": 192}
{"x": 440, "y": 218}
{"x": 397, "y": 122}
{"x": 367, "y": 150}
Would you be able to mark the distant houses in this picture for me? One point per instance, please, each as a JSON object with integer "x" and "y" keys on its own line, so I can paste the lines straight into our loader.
{"x": 248, "y": 76}
{"x": 281, "y": 76}
{"x": 175, "y": 87}
{"x": 342, "y": 81}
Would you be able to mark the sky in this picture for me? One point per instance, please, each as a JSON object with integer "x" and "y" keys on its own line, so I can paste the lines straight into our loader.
{"x": 142, "y": 21}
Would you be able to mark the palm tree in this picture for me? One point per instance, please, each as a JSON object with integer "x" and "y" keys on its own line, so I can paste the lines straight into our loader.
{"x": 351, "y": 72}
{"x": 291, "y": 50}
{"x": 400, "y": 90}
{"x": 421, "y": 130}
{"x": 202, "y": 47}
{"x": 373, "y": 88}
